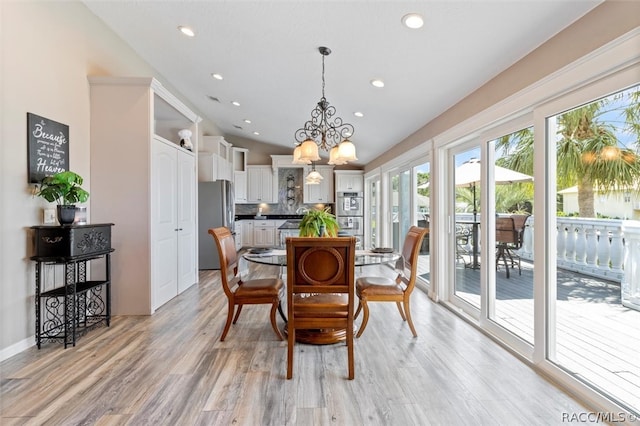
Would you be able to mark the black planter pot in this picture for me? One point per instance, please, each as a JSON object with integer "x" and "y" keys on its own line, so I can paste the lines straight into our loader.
{"x": 66, "y": 214}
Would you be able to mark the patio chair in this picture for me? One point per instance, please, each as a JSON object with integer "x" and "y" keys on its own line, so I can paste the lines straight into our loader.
{"x": 238, "y": 292}
{"x": 509, "y": 233}
{"x": 383, "y": 289}
{"x": 463, "y": 242}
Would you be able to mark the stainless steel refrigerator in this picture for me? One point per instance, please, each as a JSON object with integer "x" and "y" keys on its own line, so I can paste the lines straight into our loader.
{"x": 215, "y": 208}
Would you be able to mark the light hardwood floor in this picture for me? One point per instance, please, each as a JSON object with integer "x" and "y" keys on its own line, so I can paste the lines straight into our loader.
{"x": 170, "y": 369}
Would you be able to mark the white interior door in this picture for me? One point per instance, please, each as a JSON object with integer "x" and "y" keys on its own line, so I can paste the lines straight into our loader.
{"x": 186, "y": 217}
{"x": 164, "y": 197}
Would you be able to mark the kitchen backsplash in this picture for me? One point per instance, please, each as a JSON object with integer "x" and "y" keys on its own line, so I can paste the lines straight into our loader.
{"x": 290, "y": 196}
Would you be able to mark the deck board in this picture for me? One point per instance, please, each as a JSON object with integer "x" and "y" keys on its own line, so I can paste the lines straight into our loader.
{"x": 597, "y": 338}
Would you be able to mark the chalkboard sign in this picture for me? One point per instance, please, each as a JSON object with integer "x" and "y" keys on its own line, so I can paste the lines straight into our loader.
{"x": 48, "y": 149}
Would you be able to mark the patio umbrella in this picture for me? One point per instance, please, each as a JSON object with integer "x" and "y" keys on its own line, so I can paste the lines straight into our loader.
{"x": 468, "y": 174}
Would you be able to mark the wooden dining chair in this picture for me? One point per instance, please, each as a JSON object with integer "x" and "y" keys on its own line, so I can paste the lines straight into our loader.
{"x": 384, "y": 289}
{"x": 320, "y": 289}
{"x": 238, "y": 292}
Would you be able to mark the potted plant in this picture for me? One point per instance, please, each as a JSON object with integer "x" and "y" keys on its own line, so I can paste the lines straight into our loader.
{"x": 317, "y": 223}
{"x": 64, "y": 188}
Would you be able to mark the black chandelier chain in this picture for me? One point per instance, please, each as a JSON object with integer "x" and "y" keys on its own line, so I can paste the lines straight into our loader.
{"x": 325, "y": 129}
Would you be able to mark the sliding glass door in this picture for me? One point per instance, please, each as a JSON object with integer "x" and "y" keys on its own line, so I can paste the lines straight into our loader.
{"x": 465, "y": 226}
{"x": 594, "y": 332}
{"x": 400, "y": 207}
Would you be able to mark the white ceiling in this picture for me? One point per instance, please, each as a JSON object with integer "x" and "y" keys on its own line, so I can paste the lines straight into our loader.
{"x": 267, "y": 53}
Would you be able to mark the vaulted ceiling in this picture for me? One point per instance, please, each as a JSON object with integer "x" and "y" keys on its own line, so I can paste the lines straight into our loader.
{"x": 266, "y": 52}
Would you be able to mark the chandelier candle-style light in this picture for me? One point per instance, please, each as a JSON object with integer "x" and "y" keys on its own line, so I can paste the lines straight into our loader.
{"x": 325, "y": 131}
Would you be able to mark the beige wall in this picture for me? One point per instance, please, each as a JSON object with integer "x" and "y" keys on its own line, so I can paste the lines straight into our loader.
{"x": 48, "y": 49}
{"x": 602, "y": 25}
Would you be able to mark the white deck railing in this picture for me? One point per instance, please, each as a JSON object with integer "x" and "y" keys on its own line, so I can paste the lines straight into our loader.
{"x": 631, "y": 280}
{"x": 594, "y": 247}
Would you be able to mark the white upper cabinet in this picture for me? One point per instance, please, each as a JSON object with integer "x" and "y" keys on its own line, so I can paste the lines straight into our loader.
{"x": 260, "y": 187}
{"x": 239, "y": 162}
{"x": 240, "y": 187}
{"x": 349, "y": 180}
{"x": 215, "y": 159}
{"x": 323, "y": 192}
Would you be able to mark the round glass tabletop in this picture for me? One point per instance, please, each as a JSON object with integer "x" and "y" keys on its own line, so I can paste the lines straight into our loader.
{"x": 362, "y": 258}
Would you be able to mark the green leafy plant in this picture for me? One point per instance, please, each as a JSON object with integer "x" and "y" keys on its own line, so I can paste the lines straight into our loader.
{"x": 314, "y": 219}
{"x": 63, "y": 188}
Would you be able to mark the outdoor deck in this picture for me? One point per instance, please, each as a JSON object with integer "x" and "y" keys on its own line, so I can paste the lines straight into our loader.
{"x": 597, "y": 338}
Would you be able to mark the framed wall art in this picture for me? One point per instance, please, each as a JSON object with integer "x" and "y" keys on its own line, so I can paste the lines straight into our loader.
{"x": 48, "y": 147}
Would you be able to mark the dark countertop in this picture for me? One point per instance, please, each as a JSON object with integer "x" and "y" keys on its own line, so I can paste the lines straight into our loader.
{"x": 269, "y": 216}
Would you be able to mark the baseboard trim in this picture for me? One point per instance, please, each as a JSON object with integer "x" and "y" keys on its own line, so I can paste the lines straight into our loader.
{"x": 16, "y": 348}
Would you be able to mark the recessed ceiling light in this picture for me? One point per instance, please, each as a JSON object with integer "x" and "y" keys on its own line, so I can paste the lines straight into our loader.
{"x": 216, "y": 76}
{"x": 246, "y": 120}
{"x": 235, "y": 103}
{"x": 256, "y": 133}
{"x": 358, "y": 114}
{"x": 377, "y": 82}
{"x": 186, "y": 31}
{"x": 413, "y": 21}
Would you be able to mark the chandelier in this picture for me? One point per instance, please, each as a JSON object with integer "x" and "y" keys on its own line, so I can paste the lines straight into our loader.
{"x": 324, "y": 131}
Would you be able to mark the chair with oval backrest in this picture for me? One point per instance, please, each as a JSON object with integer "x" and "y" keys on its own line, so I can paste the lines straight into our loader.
{"x": 238, "y": 292}
{"x": 320, "y": 289}
{"x": 384, "y": 289}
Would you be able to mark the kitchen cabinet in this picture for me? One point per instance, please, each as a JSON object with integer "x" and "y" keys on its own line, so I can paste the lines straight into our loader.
{"x": 247, "y": 233}
{"x": 240, "y": 187}
{"x": 349, "y": 180}
{"x": 323, "y": 192}
{"x": 237, "y": 228}
{"x": 215, "y": 159}
{"x": 145, "y": 182}
{"x": 239, "y": 156}
{"x": 260, "y": 187}
{"x": 264, "y": 233}
{"x": 212, "y": 167}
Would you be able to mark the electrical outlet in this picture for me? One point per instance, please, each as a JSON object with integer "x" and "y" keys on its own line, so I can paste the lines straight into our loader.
{"x": 49, "y": 216}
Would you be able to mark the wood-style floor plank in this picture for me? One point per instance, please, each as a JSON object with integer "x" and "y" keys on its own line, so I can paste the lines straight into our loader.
{"x": 171, "y": 369}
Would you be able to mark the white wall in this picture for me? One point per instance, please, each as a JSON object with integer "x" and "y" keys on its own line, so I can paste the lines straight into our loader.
{"x": 611, "y": 205}
{"x": 48, "y": 49}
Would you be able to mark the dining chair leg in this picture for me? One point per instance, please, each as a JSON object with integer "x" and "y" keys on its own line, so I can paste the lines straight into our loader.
{"x": 282, "y": 315}
{"x": 274, "y": 308}
{"x": 399, "y": 305}
{"x": 237, "y": 314}
{"x": 350, "y": 357}
{"x": 291, "y": 336}
{"x": 228, "y": 324}
{"x": 407, "y": 311}
{"x": 365, "y": 318}
{"x": 358, "y": 310}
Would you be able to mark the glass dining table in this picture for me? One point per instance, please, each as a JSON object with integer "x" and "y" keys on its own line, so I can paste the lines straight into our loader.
{"x": 278, "y": 257}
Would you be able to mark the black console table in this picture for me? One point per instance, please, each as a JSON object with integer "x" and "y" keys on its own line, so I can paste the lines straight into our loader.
{"x": 73, "y": 307}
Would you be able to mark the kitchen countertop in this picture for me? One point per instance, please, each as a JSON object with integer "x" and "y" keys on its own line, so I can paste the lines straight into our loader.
{"x": 290, "y": 224}
{"x": 269, "y": 216}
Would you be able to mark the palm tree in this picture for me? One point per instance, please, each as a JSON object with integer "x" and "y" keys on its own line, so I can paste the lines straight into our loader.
{"x": 588, "y": 151}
